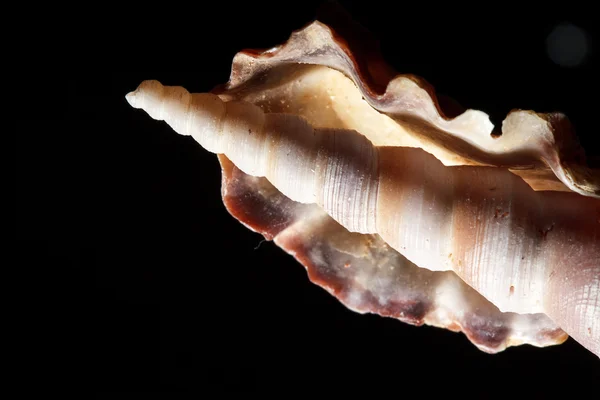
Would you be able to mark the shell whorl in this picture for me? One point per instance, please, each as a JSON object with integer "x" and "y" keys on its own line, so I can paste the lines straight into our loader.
{"x": 336, "y": 169}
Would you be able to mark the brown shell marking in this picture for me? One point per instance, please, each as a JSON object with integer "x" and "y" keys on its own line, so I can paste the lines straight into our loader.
{"x": 368, "y": 276}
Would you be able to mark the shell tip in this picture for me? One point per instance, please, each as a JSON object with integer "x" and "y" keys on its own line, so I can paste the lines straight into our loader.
{"x": 131, "y": 98}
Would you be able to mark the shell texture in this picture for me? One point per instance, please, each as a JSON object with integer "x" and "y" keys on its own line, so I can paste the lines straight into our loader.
{"x": 394, "y": 206}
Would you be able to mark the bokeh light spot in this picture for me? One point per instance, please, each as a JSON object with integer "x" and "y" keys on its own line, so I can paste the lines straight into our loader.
{"x": 567, "y": 45}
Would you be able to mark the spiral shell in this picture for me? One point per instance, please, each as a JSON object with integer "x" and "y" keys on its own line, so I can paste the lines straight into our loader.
{"x": 438, "y": 205}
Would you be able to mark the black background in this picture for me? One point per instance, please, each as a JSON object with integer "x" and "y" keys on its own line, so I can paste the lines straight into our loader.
{"x": 160, "y": 289}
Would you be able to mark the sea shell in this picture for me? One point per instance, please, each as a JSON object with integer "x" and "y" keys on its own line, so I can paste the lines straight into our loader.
{"x": 388, "y": 202}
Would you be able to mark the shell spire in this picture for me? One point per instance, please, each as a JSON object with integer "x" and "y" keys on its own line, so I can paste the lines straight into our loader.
{"x": 525, "y": 251}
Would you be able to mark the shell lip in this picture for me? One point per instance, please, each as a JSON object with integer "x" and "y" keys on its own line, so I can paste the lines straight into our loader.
{"x": 357, "y": 56}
